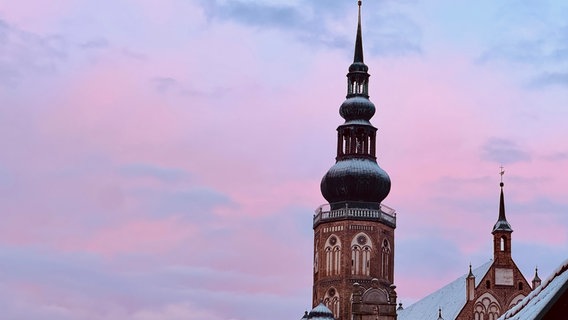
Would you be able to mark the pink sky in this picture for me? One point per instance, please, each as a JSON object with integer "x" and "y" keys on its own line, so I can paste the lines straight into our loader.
{"x": 162, "y": 159}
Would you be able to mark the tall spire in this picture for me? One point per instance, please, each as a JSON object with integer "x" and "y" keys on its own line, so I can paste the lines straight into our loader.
{"x": 356, "y": 180}
{"x": 502, "y": 224}
{"x": 358, "y": 57}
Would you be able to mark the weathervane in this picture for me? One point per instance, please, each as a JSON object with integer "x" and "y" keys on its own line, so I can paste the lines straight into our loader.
{"x": 502, "y": 172}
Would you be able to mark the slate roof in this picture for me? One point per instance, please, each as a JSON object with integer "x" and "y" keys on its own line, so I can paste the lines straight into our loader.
{"x": 540, "y": 299}
{"x": 451, "y": 299}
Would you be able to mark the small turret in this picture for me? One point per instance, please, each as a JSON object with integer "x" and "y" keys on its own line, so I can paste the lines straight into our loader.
{"x": 502, "y": 231}
{"x": 470, "y": 285}
{"x": 440, "y": 314}
{"x": 536, "y": 280}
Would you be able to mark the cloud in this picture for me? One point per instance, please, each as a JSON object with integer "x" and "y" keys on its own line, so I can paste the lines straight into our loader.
{"x": 503, "y": 151}
{"x": 557, "y": 156}
{"x": 24, "y": 53}
{"x": 154, "y": 171}
{"x": 95, "y": 43}
{"x": 196, "y": 204}
{"x": 315, "y": 22}
{"x": 550, "y": 79}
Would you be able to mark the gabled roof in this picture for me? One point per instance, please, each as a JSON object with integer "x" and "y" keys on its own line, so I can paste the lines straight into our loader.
{"x": 541, "y": 299}
{"x": 451, "y": 299}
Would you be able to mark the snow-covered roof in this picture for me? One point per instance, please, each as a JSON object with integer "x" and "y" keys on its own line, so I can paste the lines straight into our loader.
{"x": 451, "y": 299}
{"x": 320, "y": 312}
{"x": 532, "y": 305}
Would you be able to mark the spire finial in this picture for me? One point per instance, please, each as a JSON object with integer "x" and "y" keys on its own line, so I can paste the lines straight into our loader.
{"x": 502, "y": 200}
{"x": 359, "y": 40}
{"x": 470, "y": 273}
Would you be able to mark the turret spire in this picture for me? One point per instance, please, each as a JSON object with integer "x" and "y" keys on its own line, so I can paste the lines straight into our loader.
{"x": 536, "y": 280}
{"x": 502, "y": 224}
{"x": 358, "y": 57}
{"x": 356, "y": 180}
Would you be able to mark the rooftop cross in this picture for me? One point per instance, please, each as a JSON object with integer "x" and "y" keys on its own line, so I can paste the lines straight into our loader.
{"x": 502, "y": 172}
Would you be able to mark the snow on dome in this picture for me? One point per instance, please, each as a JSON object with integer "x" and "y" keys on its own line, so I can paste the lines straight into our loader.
{"x": 321, "y": 312}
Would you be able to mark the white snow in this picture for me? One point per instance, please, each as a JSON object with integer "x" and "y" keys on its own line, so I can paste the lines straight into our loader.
{"x": 451, "y": 299}
{"x": 531, "y": 306}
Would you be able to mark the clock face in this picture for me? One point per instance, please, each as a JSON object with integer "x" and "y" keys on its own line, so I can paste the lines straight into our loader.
{"x": 333, "y": 240}
{"x": 361, "y": 239}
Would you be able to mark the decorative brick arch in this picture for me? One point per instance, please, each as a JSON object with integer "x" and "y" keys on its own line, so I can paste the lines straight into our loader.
{"x": 361, "y": 248}
{"x": 486, "y": 307}
{"x": 331, "y": 300}
{"x": 332, "y": 255}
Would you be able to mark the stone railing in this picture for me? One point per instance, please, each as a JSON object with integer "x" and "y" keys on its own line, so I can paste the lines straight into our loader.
{"x": 384, "y": 214}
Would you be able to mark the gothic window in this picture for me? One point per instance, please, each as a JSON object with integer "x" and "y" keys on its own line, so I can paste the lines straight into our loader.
{"x": 502, "y": 243}
{"x": 486, "y": 308}
{"x": 385, "y": 259}
{"x": 332, "y": 256}
{"x": 331, "y": 301}
{"x": 361, "y": 248}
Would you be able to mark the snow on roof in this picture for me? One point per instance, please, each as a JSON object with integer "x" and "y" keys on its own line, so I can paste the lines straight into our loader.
{"x": 533, "y": 304}
{"x": 451, "y": 299}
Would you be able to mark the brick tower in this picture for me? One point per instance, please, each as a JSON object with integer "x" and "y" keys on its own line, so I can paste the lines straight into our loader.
{"x": 354, "y": 233}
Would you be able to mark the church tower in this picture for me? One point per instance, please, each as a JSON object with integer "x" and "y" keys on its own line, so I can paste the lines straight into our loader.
{"x": 354, "y": 232}
{"x": 503, "y": 285}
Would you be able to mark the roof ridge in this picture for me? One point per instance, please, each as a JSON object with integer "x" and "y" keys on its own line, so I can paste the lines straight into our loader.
{"x": 523, "y": 303}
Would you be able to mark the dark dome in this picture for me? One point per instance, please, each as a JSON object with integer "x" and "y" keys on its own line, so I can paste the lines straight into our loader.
{"x": 360, "y": 180}
{"x": 357, "y": 107}
{"x": 358, "y": 67}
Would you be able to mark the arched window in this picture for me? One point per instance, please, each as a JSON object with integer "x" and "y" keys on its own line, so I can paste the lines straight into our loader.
{"x": 385, "y": 259}
{"x": 361, "y": 247}
{"x": 487, "y": 284}
{"x": 331, "y": 301}
{"x": 520, "y": 286}
{"x": 332, "y": 255}
{"x": 503, "y": 243}
{"x": 486, "y": 307}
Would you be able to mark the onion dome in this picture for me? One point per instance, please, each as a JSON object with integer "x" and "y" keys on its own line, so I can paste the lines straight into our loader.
{"x": 357, "y": 108}
{"x": 321, "y": 312}
{"x": 356, "y": 180}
